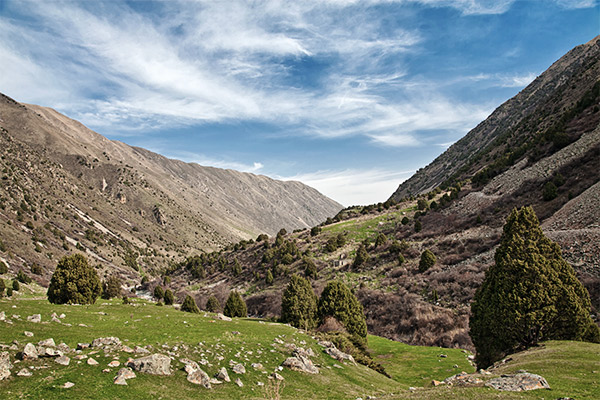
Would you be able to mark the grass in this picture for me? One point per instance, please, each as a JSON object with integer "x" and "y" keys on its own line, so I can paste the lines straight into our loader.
{"x": 568, "y": 366}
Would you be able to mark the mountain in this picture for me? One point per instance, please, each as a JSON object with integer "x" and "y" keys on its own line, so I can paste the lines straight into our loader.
{"x": 548, "y": 114}
{"x": 540, "y": 149}
{"x": 64, "y": 185}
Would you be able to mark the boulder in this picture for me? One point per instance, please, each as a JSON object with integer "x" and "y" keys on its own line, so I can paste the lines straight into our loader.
{"x": 276, "y": 376}
{"x": 223, "y": 375}
{"x": 28, "y": 334}
{"x": 140, "y": 350}
{"x": 63, "y": 360}
{"x": 68, "y": 385}
{"x": 239, "y": 369}
{"x": 106, "y": 341}
{"x": 223, "y": 317}
{"x": 47, "y": 343}
{"x": 91, "y": 361}
{"x": 518, "y": 382}
{"x": 24, "y": 372}
{"x": 5, "y": 365}
{"x": 155, "y": 364}
{"x": 82, "y": 346}
{"x": 37, "y": 318}
{"x": 199, "y": 377}
{"x": 300, "y": 363}
{"x": 463, "y": 379}
{"x": 29, "y": 352}
{"x": 339, "y": 355}
{"x": 2, "y": 316}
{"x": 257, "y": 366}
{"x": 114, "y": 364}
{"x": 239, "y": 382}
{"x": 123, "y": 375}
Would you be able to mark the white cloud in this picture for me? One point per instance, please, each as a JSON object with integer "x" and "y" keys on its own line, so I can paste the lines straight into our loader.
{"x": 203, "y": 160}
{"x": 354, "y": 187}
{"x": 577, "y": 3}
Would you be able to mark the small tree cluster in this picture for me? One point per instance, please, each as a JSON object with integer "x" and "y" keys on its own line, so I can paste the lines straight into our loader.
{"x": 74, "y": 282}
{"x": 212, "y": 304}
{"x": 235, "y": 306}
{"x": 111, "y": 287}
{"x": 189, "y": 305}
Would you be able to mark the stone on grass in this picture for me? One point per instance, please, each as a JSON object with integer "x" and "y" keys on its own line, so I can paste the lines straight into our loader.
{"x": 140, "y": 350}
{"x": 2, "y": 316}
{"x": 223, "y": 375}
{"x": 339, "y": 355}
{"x": 68, "y": 385}
{"x": 106, "y": 341}
{"x": 114, "y": 364}
{"x": 239, "y": 382}
{"x": 155, "y": 364}
{"x": 123, "y": 375}
{"x": 63, "y": 360}
{"x": 239, "y": 369}
{"x": 82, "y": 346}
{"x": 223, "y": 317}
{"x": 29, "y": 352}
{"x": 5, "y": 365}
{"x": 463, "y": 379}
{"x": 47, "y": 343}
{"x": 518, "y": 382}
{"x": 28, "y": 334}
{"x": 37, "y": 318}
{"x": 276, "y": 376}
{"x": 91, "y": 361}
{"x": 300, "y": 363}
{"x": 24, "y": 372}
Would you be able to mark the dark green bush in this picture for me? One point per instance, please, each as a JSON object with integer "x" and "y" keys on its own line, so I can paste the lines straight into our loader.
{"x": 361, "y": 256}
{"x": 427, "y": 261}
{"x": 337, "y": 301}
{"x": 158, "y": 293}
{"x": 530, "y": 294}
{"x": 235, "y": 306}
{"x": 111, "y": 287}
{"x": 310, "y": 268}
{"x": 213, "y": 305}
{"x": 299, "y": 304}
{"x": 3, "y": 268}
{"x": 74, "y": 282}
{"x": 550, "y": 191}
{"x": 189, "y": 305}
{"x": 23, "y": 277}
{"x": 168, "y": 297}
{"x": 16, "y": 286}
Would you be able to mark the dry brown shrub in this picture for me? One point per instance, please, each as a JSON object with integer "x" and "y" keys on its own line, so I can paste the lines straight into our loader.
{"x": 331, "y": 325}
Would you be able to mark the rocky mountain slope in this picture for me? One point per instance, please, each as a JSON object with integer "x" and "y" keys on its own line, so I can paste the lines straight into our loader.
{"x": 64, "y": 185}
{"x": 548, "y": 114}
{"x": 550, "y": 160}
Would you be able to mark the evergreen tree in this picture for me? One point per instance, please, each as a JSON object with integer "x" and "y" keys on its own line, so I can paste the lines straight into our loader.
{"x": 236, "y": 268}
{"x": 169, "y": 298}
{"x": 235, "y": 306}
{"x": 2, "y": 287}
{"x": 427, "y": 261}
{"x": 299, "y": 304}
{"x": 418, "y": 226}
{"x": 337, "y": 301}
{"x": 16, "y": 286}
{"x": 189, "y": 305}
{"x": 74, "y": 282}
{"x": 530, "y": 294}
{"x": 269, "y": 278}
{"x": 310, "y": 268}
{"x": 3, "y": 267}
{"x": 381, "y": 240}
{"x": 111, "y": 287}
{"x": 159, "y": 293}
{"x": 213, "y": 305}
{"x": 361, "y": 256}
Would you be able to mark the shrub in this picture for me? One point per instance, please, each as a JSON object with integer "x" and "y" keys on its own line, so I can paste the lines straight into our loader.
{"x": 299, "y": 304}
{"x": 529, "y": 294}
{"x": 16, "y": 286}
{"x": 166, "y": 280}
{"x": 111, "y": 287}
{"x": 125, "y": 300}
{"x": 337, "y": 301}
{"x": 422, "y": 204}
{"x": 427, "y": 261}
{"x": 418, "y": 225}
{"x": 269, "y": 278}
{"x": 189, "y": 305}
{"x": 36, "y": 269}
{"x": 168, "y": 297}
{"x": 159, "y": 293}
{"x": 381, "y": 240}
{"x": 361, "y": 256}
{"x": 23, "y": 277}
{"x": 213, "y": 305}
{"x": 74, "y": 282}
{"x": 550, "y": 191}
{"x": 9, "y": 292}
{"x": 315, "y": 230}
{"x": 2, "y": 287}
{"x": 310, "y": 268}
{"x": 401, "y": 259}
{"x": 405, "y": 220}
{"x": 331, "y": 245}
{"x": 262, "y": 237}
{"x": 3, "y": 268}
{"x": 235, "y": 305}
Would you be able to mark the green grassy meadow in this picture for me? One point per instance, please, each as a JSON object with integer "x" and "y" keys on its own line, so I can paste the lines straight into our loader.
{"x": 568, "y": 366}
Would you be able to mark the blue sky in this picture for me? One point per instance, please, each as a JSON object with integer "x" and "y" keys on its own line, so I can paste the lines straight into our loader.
{"x": 350, "y": 97}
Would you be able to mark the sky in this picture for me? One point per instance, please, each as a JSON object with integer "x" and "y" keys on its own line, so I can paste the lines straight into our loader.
{"x": 350, "y": 97}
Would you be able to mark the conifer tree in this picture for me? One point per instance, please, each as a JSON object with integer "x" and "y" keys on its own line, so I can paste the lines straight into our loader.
{"x": 189, "y": 305}
{"x": 339, "y": 302}
{"x": 235, "y": 306}
{"x": 159, "y": 293}
{"x": 530, "y": 294}
{"x": 427, "y": 261}
{"x": 299, "y": 304}
{"x": 361, "y": 256}
{"x": 212, "y": 304}
{"x": 2, "y": 287}
{"x": 168, "y": 297}
{"x": 74, "y": 282}
{"x": 111, "y": 287}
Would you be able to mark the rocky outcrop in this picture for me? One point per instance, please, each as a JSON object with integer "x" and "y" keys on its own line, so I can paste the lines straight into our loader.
{"x": 29, "y": 353}
{"x": 106, "y": 341}
{"x": 300, "y": 362}
{"x": 5, "y": 365}
{"x": 123, "y": 375}
{"x": 155, "y": 364}
{"x": 518, "y": 383}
